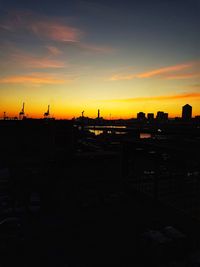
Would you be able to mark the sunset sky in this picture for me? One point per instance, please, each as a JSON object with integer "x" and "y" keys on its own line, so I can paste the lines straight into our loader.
{"x": 118, "y": 56}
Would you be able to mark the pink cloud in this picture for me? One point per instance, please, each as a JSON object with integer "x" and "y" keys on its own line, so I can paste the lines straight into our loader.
{"x": 42, "y": 26}
{"x": 30, "y": 61}
{"x": 165, "y": 70}
{"x": 48, "y": 28}
{"x": 55, "y": 31}
{"x": 34, "y": 78}
{"x": 180, "y": 71}
{"x": 54, "y": 50}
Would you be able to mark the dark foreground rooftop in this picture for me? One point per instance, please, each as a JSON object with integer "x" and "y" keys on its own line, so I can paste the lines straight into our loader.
{"x": 66, "y": 200}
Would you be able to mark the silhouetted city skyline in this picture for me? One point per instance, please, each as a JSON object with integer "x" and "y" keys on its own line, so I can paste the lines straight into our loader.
{"x": 141, "y": 116}
{"x": 119, "y": 57}
{"x": 99, "y": 133}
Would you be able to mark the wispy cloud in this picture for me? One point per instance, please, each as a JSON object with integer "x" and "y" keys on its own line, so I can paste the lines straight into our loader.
{"x": 166, "y": 70}
{"x": 55, "y": 31}
{"x": 157, "y": 98}
{"x": 37, "y": 62}
{"x": 41, "y": 26}
{"x": 54, "y": 50}
{"x": 179, "y": 71}
{"x": 34, "y": 78}
{"x": 47, "y": 57}
{"x": 49, "y": 29}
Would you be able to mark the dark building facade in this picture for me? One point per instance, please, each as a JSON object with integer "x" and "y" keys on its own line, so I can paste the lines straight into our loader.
{"x": 162, "y": 116}
{"x": 186, "y": 112}
{"x": 141, "y": 116}
{"x": 150, "y": 116}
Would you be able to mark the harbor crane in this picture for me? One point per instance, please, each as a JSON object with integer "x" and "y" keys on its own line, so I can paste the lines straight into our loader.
{"x": 22, "y": 112}
{"x": 47, "y": 114}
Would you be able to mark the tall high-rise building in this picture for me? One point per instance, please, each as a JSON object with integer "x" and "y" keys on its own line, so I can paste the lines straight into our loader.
{"x": 141, "y": 116}
{"x": 186, "y": 112}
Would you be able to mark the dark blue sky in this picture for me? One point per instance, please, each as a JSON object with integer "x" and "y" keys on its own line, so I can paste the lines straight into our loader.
{"x": 168, "y": 24}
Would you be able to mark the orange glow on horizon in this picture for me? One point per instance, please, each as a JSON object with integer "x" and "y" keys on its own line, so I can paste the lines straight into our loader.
{"x": 105, "y": 113}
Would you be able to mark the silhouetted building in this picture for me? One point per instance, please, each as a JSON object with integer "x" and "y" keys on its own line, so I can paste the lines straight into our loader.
{"x": 165, "y": 116}
{"x": 150, "y": 116}
{"x": 162, "y": 116}
{"x": 186, "y": 112}
{"x": 141, "y": 116}
{"x": 99, "y": 119}
{"x": 197, "y": 118}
